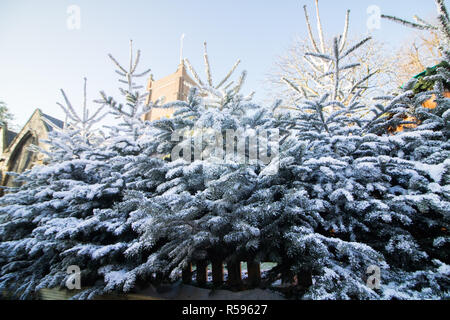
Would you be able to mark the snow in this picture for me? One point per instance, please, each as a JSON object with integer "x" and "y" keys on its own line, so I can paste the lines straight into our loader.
{"x": 391, "y": 291}
{"x": 444, "y": 269}
{"x": 435, "y": 171}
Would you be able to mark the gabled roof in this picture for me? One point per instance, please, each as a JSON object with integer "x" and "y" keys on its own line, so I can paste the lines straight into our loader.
{"x": 10, "y": 135}
{"x": 58, "y": 123}
{"x": 49, "y": 123}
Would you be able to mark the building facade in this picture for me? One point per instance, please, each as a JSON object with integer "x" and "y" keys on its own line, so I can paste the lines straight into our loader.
{"x": 168, "y": 89}
{"x": 14, "y": 147}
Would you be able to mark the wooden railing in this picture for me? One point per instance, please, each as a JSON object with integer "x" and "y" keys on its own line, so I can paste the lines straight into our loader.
{"x": 234, "y": 274}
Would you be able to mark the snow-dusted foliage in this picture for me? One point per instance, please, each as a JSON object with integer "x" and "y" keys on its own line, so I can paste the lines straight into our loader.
{"x": 192, "y": 214}
{"x": 218, "y": 95}
{"x": 133, "y": 153}
{"x": 361, "y": 184}
{"x": 40, "y": 220}
{"x": 75, "y": 210}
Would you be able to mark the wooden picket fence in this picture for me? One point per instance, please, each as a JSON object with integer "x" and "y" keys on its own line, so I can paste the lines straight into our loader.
{"x": 234, "y": 274}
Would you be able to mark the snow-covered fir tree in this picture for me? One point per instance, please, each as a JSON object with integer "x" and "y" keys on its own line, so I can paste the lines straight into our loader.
{"x": 38, "y": 218}
{"x": 192, "y": 216}
{"x": 131, "y": 151}
{"x": 361, "y": 188}
{"x": 136, "y": 155}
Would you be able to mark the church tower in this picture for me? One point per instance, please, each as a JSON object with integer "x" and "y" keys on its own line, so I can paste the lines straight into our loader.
{"x": 168, "y": 89}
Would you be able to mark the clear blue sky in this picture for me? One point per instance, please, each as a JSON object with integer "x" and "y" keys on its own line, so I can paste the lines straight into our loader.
{"x": 39, "y": 54}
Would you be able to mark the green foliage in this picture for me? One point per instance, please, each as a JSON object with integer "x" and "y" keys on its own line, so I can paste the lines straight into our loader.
{"x": 424, "y": 83}
{"x": 5, "y": 116}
